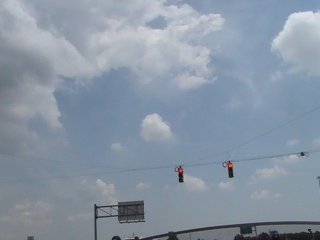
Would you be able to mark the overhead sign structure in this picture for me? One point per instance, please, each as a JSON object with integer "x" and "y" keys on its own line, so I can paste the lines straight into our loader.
{"x": 129, "y": 212}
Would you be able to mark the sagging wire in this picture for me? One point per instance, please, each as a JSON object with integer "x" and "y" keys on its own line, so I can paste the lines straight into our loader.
{"x": 224, "y": 164}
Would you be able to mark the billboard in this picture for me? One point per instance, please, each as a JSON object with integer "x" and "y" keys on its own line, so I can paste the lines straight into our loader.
{"x": 131, "y": 211}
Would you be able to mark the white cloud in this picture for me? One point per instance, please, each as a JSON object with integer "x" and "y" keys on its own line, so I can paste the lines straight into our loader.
{"x": 108, "y": 191}
{"x": 287, "y": 159}
{"x": 154, "y": 128}
{"x": 185, "y": 81}
{"x": 292, "y": 142}
{"x": 42, "y": 44}
{"x": 298, "y": 42}
{"x": 270, "y": 173}
{"x": 173, "y": 55}
{"x": 226, "y": 185}
{"x": 117, "y": 147}
{"x": 31, "y": 214}
{"x": 264, "y": 194}
{"x": 143, "y": 186}
{"x": 32, "y": 61}
{"x": 194, "y": 184}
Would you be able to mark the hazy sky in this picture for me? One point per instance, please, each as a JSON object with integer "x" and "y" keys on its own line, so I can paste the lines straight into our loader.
{"x": 92, "y": 89}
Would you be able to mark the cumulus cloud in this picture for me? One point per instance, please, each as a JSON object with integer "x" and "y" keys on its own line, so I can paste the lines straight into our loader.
{"x": 27, "y": 77}
{"x": 270, "y": 173}
{"x": 194, "y": 184}
{"x": 143, "y": 186}
{"x": 226, "y": 185}
{"x": 297, "y": 43}
{"x": 45, "y": 43}
{"x": 264, "y": 194}
{"x": 108, "y": 191}
{"x": 287, "y": 159}
{"x": 32, "y": 214}
{"x": 154, "y": 128}
{"x": 181, "y": 58}
{"x": 117, "y": 147}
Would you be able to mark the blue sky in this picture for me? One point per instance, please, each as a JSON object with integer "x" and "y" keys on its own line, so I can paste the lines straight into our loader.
{"x": 89, "y": 90}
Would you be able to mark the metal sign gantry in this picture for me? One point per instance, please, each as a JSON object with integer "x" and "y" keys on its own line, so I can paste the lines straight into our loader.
{"x": 127, "y": 212}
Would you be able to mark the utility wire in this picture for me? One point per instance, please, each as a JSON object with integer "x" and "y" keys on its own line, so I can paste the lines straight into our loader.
{"x": 58, "y": 177}
{"x": 121, "y": 170}
{"x": 255, "y": 138}
{"x": 300, "y": 116}
{"x": 77, "y": 163}
{"x": 306, "y": 153}
{"x": 69, "y": 162}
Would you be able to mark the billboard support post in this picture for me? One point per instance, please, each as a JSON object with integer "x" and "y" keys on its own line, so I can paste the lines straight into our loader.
{"x": 95, "y": 222}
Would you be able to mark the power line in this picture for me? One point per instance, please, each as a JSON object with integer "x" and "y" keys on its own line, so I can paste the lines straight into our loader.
{"x": 300, "y": 116}
{"x": 253, "y": 158}
{"x": 58, "y": 177}
{"x": 121, "y": 169}
{"x": 257, "y": 137}
{"x": 69, "y": 162}
{"x": 305, "y": 153}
